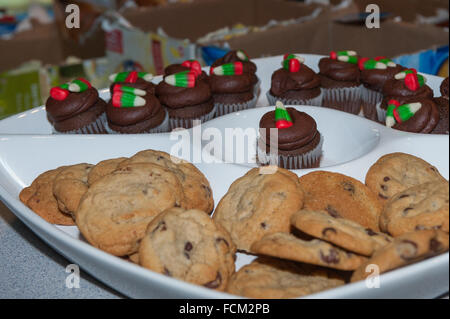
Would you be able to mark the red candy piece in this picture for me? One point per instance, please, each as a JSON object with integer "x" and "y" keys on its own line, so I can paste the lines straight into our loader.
{"x": 412, "y": 82}
{"x": 294, "y": 65}
{"x": 361, "y": 63}
{"x": 116, "y": 99}
{"x": 281, "y": 124}
{"x": 333, "y": 55}
{"x": 378, "y": 58}
{"x": 394, "y": 102}
{"x": 194, "y": 66}
{"x": 59, "y": 93}
{"x": 85, "y": 82}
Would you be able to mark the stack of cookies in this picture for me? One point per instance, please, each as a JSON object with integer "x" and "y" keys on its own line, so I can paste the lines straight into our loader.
{"x": 309, "y": 234}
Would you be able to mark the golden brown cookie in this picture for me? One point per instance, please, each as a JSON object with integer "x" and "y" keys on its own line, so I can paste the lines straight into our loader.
{"x": 114, "y": 213}
{"x": 269, "y": 278}
{"x": 195, "y": 185}
{"x": 258, "y": 204}
{"x": 340, "y": 232}
{"x": 188, "y": 245}
{"x": 40, "y": 199}
{"x": 70, "y": 185}
{"x": 104, "y": 168}
{"x": 341, "y": 196}
{"x": 394, "y": 173}
{"x": 316, "y": 251}
{"x": 420, "y": 207}
{"x": 406, "y": 249}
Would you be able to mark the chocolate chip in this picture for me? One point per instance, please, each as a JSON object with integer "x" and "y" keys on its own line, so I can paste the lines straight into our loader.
{"x": 403, "y": 196}
{"x": 407, "y": 249}
{"x": 332, "y": 212}
{"x": 433, "y": 169}
{"x": 328, "y": 229}
{"x": 370, "y": 232}
{"x": 263, "y": 225}
{"x": 215, "y": 283}
{"x": 188, "y": 246}
{"x": 382, "y": 196}
{"x": 386, "y": 179}
{"x": 167, "y": 272}
{"x": 207, "y": 190}
{"x": 331, "y": 258}
{"x": 405, "y": 211}
{"x": 159, "y": 158}
{"x": 384, "y": 187}
{"x": 435, "y": 245}
{"x": 349, "y": 187}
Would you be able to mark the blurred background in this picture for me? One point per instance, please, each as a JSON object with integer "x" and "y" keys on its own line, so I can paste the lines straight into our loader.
{"x": 38, "y": 49}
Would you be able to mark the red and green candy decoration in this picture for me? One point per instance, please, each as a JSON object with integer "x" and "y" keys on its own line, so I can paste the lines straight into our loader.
{"x": 235, "y": 68}
{"x": 130, "y": 77}
{"x": 371, "y": 64}
{"x": 282, "y": 117}
{"x": 185, "y": 79}
{"x": 344, "y": 56}
{"x": 413, "y": 81}
{"x": 126, "y": 96}
{"x": 397, "y": 113}
{"x": 61, "y": 92}
{"x": 386, "y": 61}
{"x": 242, "y": 55}
{"x": 292, "y": 62}
{"x": 194, "y": 66}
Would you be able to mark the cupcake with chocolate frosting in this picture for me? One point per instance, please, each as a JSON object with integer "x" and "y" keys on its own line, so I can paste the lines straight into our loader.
{"x": 135, "y": 111}
{"x": 295, "y": 84}
{"x": 76, "y": 108}
{"x": 340, "y": 80}
{"x": 374, "y": 73}
{"x": 233, "y": 83}
{"x": 442, "y": 105}
{"x": 298, "y": 143}
{"x": 406, "y": 86}
{"x": 187, "y": 98}
{"x": 415, "y": 117}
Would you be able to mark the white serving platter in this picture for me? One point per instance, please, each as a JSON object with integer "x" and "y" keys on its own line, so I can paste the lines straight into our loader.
{"x": 352, "y": 144}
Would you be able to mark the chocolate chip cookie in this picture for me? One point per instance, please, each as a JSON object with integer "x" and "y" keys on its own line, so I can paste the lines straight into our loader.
{"x": 70, "y": 185}
{"x": 40, "y": 199}
{"x": 104, "y": 168}
{"x": 341, "y": 196}
{"x": 270, "y": 278}
{"x": 188, "y": 245}
{"x": 404, "y": 250}
{"x": 393, "y": 173}
{"x": 258, "y": 204}
{"x": 420, "y": 207}
{"x": 340, "y": 232}
{"x": 116, "y": 210}
{"x": 316, "y": 251}
{"x": 195, "y": 185}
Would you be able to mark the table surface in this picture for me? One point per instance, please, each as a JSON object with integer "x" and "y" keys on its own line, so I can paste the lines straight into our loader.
{"x": 29, "y": 268}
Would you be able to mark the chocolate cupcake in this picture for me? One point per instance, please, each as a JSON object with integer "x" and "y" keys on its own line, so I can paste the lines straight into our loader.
{"x": 76, "y": 108}
{"x": 442, "y": 105}
{"x": 295, "y": 84}
{"x": 135, "y": 111}
{"x": 240, "y": 56}
{"x": 299, "y": 143}
{"x": 187, "y": 99}
{"x": 416, "y": 117}
{"x": 233, "y": 85}
{"x": 406, "y": 86}
{"x": 374, "y": 73}
{"x": 340, "y": 80}
{"x": 137, "y": 80}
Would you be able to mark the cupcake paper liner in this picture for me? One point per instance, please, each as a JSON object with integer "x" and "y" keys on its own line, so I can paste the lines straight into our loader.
{"x": 369, "y": 100}
{"x": 317, "y": 101}
{"x": 381, "y": 113}
{"x": 223, "y": 109}
{"x": 303, "y": 161}
{"x": 178, "y": 122}
{"x": 343, "y": 99}
{"x": 161, "y": 128}
{"x": 96, "y": 127}
{"x": 257, "y": 88}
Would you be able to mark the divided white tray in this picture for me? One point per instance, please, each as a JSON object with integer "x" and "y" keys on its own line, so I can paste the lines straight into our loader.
{"x": 352, "y": 144}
